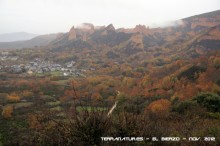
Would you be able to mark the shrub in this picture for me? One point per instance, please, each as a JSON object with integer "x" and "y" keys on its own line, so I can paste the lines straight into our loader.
{"x": 7, "y": 111}
{"x": 211, "y": 101}
{"x": 160, "y": 107}
{"x": 182, "y": 107}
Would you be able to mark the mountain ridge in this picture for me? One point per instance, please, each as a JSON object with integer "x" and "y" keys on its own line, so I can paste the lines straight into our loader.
{"x": 87, "y": 34}
{"x": 16, "y": 36}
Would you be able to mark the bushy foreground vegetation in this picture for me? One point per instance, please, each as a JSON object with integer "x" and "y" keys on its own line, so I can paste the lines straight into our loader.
{"x": 78, "y": 124}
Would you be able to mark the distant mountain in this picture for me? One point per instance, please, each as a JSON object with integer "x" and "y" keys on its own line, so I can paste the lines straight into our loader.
{"x": 18, "y": 36}
{"x": 187, "y": 38}
{"x": 88, "y": 35}
{"x": 127, "y": 41}
{"x": 41, "y": 40}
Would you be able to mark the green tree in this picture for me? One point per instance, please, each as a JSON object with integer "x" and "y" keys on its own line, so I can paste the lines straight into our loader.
{"x": 209, "y": 100}
{"x": 1, "y": 140}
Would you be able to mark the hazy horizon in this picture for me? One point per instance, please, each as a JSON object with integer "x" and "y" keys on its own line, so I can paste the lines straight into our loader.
{"x": 52, "y": 16}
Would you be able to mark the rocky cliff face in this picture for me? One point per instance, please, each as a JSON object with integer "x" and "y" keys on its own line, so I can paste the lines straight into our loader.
{"x": 72, "y": 34}
{"x": 110, "y": 27}
{"x": 180, "y": 35}
{"x": 142, "y": 29}
{"x": 84, "y": 30}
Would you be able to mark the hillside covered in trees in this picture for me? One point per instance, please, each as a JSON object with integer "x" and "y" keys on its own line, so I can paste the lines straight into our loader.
{"x": 162, "y": 81}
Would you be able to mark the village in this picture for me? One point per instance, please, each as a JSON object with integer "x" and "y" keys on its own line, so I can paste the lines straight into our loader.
{"x": 38, "y": 66}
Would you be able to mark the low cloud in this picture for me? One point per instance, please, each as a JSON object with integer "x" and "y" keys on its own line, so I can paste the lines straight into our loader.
{"x": 167, "y": 24}
{"x": 85, "y": 26}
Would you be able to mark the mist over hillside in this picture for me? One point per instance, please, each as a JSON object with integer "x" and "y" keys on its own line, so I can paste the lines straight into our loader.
{"x": 17, "y": 36}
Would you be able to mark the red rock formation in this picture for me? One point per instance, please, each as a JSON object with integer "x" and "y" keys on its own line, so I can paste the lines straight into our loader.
{"x": 110, "y": 27}
{"x": 141, "y": 29}
{"x": 72, "y": 34}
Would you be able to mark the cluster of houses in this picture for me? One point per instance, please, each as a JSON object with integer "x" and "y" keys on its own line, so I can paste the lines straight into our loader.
{"x": 42, "y": 67}
{"x": 5, "y": 56}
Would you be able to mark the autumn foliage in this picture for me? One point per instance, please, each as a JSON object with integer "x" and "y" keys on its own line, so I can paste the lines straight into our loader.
{"x": 13, "y": 97}
{"x": 7, "y": 111}
{"x": 160, "y": 106}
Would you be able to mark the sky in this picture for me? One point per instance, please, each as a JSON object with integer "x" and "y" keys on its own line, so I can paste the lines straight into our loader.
{"x": 52, "y": 16}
